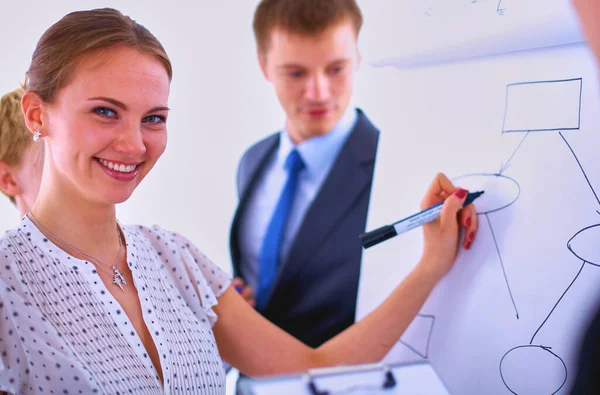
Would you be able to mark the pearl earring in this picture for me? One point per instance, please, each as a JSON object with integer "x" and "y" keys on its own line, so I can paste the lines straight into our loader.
{"x": 36, "y": 135}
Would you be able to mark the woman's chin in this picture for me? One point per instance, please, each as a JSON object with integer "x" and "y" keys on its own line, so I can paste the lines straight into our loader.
{"x": 114, "y": 197}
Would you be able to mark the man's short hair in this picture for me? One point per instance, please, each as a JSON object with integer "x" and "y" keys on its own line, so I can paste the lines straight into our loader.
{"x": 309, "y": 17}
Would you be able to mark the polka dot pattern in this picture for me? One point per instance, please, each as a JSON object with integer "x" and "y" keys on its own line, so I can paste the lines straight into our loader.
{"x": 62, "y": 332}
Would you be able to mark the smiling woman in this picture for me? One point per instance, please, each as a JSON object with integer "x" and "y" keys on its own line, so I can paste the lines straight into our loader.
{"x": 89, "y": 305}
{"x": 125, "y": 132}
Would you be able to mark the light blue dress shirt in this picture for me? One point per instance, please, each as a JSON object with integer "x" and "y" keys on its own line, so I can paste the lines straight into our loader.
{"x": 319, "y": 155}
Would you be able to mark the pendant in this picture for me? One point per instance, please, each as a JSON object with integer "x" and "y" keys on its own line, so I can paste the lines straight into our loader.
{"x": 119, "y": 280}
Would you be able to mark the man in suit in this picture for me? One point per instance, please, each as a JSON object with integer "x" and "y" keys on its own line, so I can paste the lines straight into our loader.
{"x": 304, "y": 191}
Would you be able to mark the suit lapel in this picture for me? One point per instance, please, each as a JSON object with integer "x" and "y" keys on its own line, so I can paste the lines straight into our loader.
{"x": 248, "y": 175}
{"x": 255, "y": 165}
{"x": 352, "y": 174}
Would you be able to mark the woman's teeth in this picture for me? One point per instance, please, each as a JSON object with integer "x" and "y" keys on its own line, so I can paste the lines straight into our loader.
{"x": 118, "y": 167}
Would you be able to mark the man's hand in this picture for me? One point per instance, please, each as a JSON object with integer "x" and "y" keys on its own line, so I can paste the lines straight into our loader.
{"x": 245, "y": 290}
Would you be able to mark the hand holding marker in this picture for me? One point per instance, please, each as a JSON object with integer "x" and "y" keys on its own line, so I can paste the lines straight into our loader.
{"x": 386, "y": 232}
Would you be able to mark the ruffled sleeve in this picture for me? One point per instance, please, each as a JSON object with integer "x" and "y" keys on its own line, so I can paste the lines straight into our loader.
{"x": 207, "y": 280}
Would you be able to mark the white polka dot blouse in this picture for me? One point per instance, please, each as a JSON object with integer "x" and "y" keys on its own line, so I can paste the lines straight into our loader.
{"x": 62, "y": 332}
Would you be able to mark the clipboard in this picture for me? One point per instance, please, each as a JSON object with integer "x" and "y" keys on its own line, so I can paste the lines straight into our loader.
{"x": 377, "y": 379}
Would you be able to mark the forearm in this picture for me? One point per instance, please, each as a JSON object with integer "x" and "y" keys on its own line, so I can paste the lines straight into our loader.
{"x": 256, "y": 347}
{"x": 370, "y": 339}
{"x": 253, "y": 345}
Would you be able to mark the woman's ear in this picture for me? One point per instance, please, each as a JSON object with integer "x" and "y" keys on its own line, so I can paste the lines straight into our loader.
{"x": 32, "y": 106}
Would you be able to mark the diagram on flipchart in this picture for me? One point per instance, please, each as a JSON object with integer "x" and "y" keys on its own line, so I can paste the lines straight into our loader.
{"x": 436, "y": 8}
{"x": 426, "y": 32}
{"x": 531, "y": 107}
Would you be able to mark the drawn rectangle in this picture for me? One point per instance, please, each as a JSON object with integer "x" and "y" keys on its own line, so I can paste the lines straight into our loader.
{"x": 542, "y": 106}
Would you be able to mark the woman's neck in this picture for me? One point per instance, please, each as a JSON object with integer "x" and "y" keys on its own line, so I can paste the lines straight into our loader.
{"x": 87, "y": 226}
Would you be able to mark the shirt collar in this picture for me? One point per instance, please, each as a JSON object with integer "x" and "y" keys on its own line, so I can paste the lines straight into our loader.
{"x": 319, "y": 152}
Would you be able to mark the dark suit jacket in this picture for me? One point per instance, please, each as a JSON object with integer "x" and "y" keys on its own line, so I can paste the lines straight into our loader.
{"x": 315, "y": 290}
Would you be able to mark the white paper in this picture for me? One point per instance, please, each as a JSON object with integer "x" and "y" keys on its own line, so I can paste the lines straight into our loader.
{"x": 406, "y": 33}
{"x": 510, "y": 314}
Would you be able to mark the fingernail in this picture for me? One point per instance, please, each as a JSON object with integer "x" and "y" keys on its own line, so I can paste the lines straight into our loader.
{"x": 468, "y": 245}
{"x": 468, "y": 222}
{"x": 460, "y": 193}
{"x": 471, "y": 236}
{"x": 239, "y": 289}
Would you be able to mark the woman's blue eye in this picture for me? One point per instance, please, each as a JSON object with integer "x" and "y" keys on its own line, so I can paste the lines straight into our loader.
{"x": 105, "y": 112}
{"x": 296, "y": 74}
{"x": 154, "y": 119}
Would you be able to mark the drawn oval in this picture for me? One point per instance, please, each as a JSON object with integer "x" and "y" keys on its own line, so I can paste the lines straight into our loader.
{"x": 533, "y": 370}
{"x": 500, "y": 191}
{"x": 584, "y": 245}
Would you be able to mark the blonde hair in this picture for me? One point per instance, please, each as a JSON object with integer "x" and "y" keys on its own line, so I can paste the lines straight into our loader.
{"x": 15, "y": 138}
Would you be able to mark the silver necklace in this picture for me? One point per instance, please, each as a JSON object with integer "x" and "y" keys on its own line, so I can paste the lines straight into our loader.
{"x": 118, "y": 278}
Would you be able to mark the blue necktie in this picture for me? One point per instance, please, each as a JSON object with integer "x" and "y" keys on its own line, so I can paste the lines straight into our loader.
{"x": 268, "y": 259}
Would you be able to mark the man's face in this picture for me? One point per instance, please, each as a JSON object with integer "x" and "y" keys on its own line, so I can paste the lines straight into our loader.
{"x": 313, "y": 77}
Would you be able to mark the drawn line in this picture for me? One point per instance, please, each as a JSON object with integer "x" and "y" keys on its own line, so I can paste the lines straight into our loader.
{"x": 545, "y": 348}
{"x": 426, "y": 356}
{"x": 412, "y": 349}
{"x": 538, "y": 130}
{"x": 499, "y": 9}
{"x": 581, "y": 167}
{"x": 497, "y": 176}
{"x": 429, "y": 336}
{"x": 504, "y": 167}
{"x": 502, "y": 264}
{"x": 573, "y": 238}
{"x": 564, "y": 293}
{"x": 580, "y": 94}
{"x": 545, "y": 81}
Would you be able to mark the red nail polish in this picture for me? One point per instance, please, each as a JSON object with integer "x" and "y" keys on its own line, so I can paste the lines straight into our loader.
{"x": 468, "y": 222}
{"x": 471, "y": 236}
{"x": 468, "y": 245}
{"x": 460, "y": 193}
